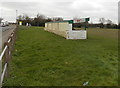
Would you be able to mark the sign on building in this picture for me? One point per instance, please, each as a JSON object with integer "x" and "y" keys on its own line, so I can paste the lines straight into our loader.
{"x": 81, "y": 20}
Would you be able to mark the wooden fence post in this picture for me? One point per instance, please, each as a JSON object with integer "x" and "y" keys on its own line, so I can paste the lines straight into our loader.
{"x": 11, "y": 45}
{"x": 13, "y": 39}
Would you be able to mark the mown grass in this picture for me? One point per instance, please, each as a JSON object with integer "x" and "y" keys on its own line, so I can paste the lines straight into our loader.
{"x": 45, "y": 59}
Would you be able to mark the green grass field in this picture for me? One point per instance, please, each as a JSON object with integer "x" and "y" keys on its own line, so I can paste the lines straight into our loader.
{"x": 45, "y": 59}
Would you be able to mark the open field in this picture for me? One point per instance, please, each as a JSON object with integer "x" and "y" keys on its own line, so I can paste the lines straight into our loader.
{"x": 45, "y": 59}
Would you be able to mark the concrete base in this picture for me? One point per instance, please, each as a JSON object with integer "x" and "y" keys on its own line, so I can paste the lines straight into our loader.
{"x": 77, "y": 34}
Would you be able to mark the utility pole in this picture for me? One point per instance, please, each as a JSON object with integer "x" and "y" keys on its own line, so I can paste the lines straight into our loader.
{"x": 16, "y": 16}
{"x": 118, "y": 12}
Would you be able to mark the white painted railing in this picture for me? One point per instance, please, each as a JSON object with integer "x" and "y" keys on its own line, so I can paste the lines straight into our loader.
{"x": 6, "y": 56}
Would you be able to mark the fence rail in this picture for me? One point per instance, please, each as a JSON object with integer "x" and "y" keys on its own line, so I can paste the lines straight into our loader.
{"x": 6, "y": 56}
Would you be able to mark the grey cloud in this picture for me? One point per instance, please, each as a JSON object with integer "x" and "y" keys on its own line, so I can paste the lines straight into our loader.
{"x": 65, "y": 8}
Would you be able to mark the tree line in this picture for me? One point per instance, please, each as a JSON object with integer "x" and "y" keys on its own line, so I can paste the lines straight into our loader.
{"x": 103, "y": 23}
{"x": 40, "y": 20}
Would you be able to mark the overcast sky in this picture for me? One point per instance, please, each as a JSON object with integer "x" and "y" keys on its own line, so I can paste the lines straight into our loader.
{"x": 67, "y": 9}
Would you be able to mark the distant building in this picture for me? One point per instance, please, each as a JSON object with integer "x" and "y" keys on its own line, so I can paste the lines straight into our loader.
{"x": 119, "y": 12}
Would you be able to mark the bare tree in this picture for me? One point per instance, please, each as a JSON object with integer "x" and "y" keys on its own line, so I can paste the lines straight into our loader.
{"x": 57, "y": 19}
{"x": 20, "y": 17}
{"x": 40, "y": 16}
{"x": 109, "y": 22}
{"x": 102, "y": 21}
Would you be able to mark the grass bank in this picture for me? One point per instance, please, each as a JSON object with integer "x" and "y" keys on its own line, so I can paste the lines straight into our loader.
{"x": 45, "y": 59}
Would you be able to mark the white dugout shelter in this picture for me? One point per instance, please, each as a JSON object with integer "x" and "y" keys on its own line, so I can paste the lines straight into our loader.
{"x": 65, "y": 29}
